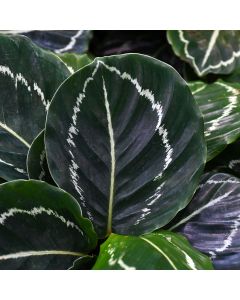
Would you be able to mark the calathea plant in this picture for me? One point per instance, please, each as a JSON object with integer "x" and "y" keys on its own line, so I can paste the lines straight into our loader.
{"x": 108, "y": 158}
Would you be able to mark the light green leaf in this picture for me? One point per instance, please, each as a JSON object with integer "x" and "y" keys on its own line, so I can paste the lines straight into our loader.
{"x": 75, "y": 61}
{"x": 164, "y": 250}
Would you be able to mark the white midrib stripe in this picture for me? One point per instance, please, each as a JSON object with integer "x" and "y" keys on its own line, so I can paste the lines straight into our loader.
{"x": 160, "y": 251}
{"x": 38, "y": 253}
{"x": 113, "y": 160}
{"x": 211, "y": 44}
{"x": 4, "y": 126}
{"x": 198, "y": 211}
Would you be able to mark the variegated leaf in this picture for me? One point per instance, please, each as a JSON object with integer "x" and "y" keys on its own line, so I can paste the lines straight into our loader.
{"x": 219, "y": 103}
{"x": 211, "y": 221}
{"x": 37, "y": 166}
{"x": 75, "y": 61}
{"x": 164, "y": 250}
{"x": 208, "y": 51}
{"x": 29, "y": 76}
{"x": 124, "y": 145}
{"x": 41, "y": 227}
{"x": 59, "y": 41}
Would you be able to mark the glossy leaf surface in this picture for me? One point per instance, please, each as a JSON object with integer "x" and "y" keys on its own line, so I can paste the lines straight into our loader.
{"x": 124, "y": 144}
{"x": 164, "y": 250}
{"x": 29, "y": 76}
{"x": 41, "y": 227}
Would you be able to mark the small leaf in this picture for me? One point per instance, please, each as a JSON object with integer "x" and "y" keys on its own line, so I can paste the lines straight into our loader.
{"x": 75, "y": 61}
{"x": 164, "y": 250}
{"x": 59, "y": 41}
{"x": 219, "y": 103}
{"x": 37, "y": 166}
{"x": 208, "y": 51}
{"x": 211, "y": 221}
{"x": 41, "y": 227}
{"x": 29, "y": 76}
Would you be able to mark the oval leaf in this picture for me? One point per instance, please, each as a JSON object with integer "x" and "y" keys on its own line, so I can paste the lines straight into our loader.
{"x": 164, "y": 250}
{"x": 115, "y": 147}
{"x": 211, "y": 221}
{"x": 208, "y": 51}
{"x": 219, "y": 103}
{"x": 25, "y": 94}
{"x": 37, "y": 166}
{"x": 41, "y": 227}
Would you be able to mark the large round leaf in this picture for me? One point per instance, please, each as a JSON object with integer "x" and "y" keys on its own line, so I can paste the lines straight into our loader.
{"x": 211, "y": 221}
{"x": 219, "y": 103}
{"x": 41, "y": 227}
{"x": 208, "y": 51}
{"x": 37, "y": 166}
{"x": 127, "y": 143}
{"x": 59, "y": 41}
{"x": 29, "y": 76}
{"x": 164, "y": 250}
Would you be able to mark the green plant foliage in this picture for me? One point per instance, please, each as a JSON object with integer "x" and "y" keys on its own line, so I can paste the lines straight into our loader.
{"x": 211, "y": 221}
{"x": 41, "y": 227}
{"x": 75, "y": 61}
{"x": 155, "y": 251}
{"x": 114, "y": 147}
{"x": 58, "y": 41}
{"x": 104, "y": 138}
{"x": 25, "y": 94}
{"x": 37, "y": 166}
{"x": 219, "y": 103}
{"x": 208, "y": 51}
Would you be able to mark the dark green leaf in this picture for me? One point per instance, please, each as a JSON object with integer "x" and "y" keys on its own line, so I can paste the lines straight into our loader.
{"x": 29, "y": 76}
{"x": 127, "y": 143}
{"x": 59, "y": 41}
{"x": 164, "y": 250}
{"x": 208, "y": 51}
{"x": 219, "y": 103}
{"x": 41, "y": 227}
{"x": 37, "y": 166}
{"x": 211, "y": 221}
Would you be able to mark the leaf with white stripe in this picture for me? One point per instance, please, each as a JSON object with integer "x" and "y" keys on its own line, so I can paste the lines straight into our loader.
{"x": 219, "y": 103}
{"x": 59, "y": 41}
{"x": 207, "y": 51}
{"x": 124, "y": 145}
{"x": 75, "y": 61}
{"x": 211, "y": 222}
{"x": 29, "y": 76}
{"x": 41, "y": 227}
{"x": 37, "y": 166}
{"x": 164, "y": 250}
